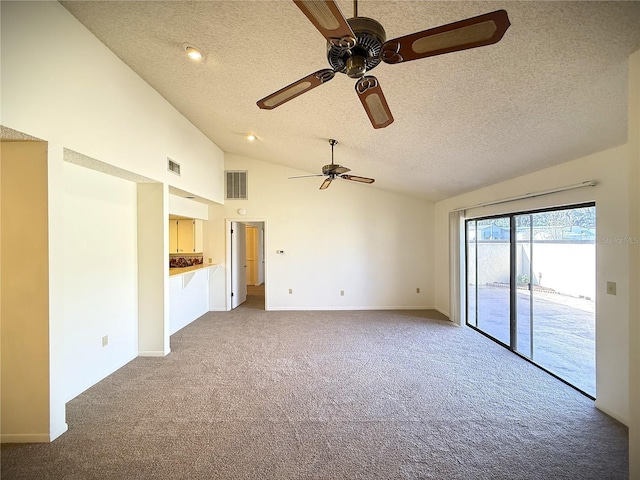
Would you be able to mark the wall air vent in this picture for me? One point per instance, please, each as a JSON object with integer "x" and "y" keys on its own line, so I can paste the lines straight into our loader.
{"x": 236, "y": 185}
{"x": 173, "y": 166}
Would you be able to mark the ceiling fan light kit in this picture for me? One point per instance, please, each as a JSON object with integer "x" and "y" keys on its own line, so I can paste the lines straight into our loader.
{"x": 334, "y": 170}
{"x": 357, "y": 45}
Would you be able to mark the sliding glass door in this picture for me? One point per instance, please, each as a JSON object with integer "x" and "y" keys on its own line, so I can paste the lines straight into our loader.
{"x": 488, "y": 245}
{"x": 531, "y": 287}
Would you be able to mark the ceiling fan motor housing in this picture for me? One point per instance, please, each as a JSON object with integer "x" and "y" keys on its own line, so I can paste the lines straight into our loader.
{"x": 365, "y": 56}
{"x": 329, "y": 169}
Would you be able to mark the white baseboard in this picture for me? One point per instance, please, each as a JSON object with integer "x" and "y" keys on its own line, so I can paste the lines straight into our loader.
{"x": 153, "y": 353}
{"x": 56, "y": 434}
{"x": 25, "y": 438}
{"x": 338, "y": 308}
{"x": 33, "y": 437}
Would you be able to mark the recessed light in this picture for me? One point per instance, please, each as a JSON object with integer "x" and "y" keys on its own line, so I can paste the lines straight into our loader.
{"x": 193, "y": 53}
{"x": 250, "y": 137}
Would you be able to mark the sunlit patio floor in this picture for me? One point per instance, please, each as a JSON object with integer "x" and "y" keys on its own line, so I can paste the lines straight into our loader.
{"x": 563, "y": 330}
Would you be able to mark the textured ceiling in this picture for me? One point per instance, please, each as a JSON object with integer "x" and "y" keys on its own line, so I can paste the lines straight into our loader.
{"x": 553, "y": 89}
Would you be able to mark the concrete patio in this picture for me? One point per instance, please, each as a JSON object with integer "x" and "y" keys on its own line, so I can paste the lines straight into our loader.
{"x": 563, "y": 330}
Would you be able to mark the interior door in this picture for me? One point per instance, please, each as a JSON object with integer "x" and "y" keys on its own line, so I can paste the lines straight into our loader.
{"x": 238, "y": 264}
{"x": 260, "y": 256}
{"x": 252, "y": 260}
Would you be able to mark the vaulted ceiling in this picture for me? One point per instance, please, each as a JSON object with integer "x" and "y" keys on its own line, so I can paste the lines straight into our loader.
{"x": 553, "y": 89}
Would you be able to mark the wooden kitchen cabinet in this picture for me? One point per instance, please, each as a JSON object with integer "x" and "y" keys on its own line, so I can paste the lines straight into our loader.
{"x": 198, "y": 242}
{"x": 173, "y": 236}
{"x": 185, "y": 236}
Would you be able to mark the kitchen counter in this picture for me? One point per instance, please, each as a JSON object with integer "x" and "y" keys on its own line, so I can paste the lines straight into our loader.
{"x": 180, "y": 270}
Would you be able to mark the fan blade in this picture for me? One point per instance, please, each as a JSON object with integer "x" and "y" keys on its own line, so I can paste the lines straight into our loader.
{"x": 298, "y": 88}
{"x": 341, "y": 170}
{"x": 329, "y": 20}
{"x": 470, "y": 33}
{"x": 373, "y": 101}
{"x": 307, "y": 176}
{"x": 357, "y": 179}
{"x": 326, "y": 183}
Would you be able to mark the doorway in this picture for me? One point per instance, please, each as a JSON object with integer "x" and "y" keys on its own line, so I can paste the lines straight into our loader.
{"x": 246, "y": 257}
{"x": 531, "y": 287}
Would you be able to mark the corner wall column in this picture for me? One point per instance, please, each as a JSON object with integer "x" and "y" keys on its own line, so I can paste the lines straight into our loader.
{"x": 153, "y": 270}
{"x": 24, "y": 292}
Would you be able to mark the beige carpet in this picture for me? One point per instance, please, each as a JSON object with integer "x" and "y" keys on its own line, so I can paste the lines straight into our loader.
{"x": 251, "y": 394}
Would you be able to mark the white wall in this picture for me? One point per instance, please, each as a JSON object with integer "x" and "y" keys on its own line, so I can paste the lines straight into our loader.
{"x": 609, "y": 169}
{"x": 61, "y": 84}
{"x": 100, "y": 276}
{"x": 188, "y": 298}
{"x": 186, "y": 207}
{"x": 374, "y": 245}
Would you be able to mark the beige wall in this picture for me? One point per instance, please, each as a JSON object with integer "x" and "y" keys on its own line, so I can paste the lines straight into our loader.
{"x": 24, "y": 292}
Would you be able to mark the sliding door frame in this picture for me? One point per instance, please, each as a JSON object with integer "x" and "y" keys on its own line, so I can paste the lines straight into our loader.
{"x": 513, "y": 309}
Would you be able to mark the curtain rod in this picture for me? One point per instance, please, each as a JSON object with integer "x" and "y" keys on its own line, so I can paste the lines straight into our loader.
{"x": 587, "y": 183}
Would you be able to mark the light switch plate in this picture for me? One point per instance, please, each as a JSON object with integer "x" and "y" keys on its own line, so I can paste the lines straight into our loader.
{"x": 611, "y": 288}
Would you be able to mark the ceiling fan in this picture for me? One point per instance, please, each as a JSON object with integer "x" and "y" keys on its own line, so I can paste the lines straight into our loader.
{"x": 334, "y": 170}
{"x": 357, "y": 45}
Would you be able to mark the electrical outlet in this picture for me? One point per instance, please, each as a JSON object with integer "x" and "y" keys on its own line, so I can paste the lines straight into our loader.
{"x": 342, "y": 293}
{"x": 418, "y": 290}
{"x": 290, "y": 291}
{"x": 611, "y": 288}
{"x": 210, "y": 260}
{"x": 105, "y": 340}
